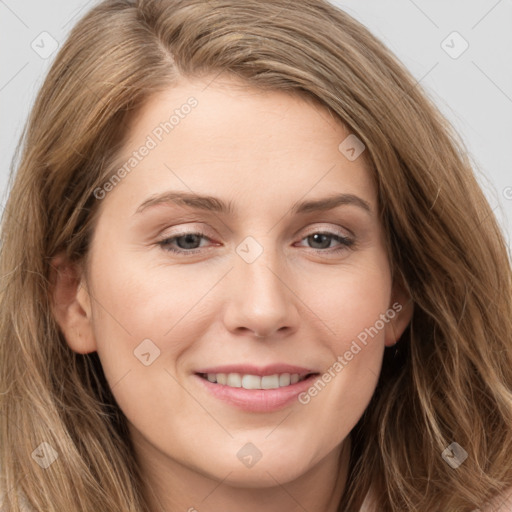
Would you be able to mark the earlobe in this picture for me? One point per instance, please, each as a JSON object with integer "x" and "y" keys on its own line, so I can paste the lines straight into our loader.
{"x": 71, "y": 304}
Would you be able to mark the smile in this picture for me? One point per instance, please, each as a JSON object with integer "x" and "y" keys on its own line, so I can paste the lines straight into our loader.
{"x": 248, "y": 381}
{"x": 272, "y": 390}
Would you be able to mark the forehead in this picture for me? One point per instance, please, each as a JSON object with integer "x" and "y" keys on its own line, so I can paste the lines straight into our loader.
{"x": 208, "y": 135}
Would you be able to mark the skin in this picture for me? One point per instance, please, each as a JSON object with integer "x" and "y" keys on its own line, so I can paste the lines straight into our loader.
{"x": 264, "y": 151}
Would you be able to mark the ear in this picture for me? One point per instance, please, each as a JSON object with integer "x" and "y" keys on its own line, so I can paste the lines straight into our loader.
{"x": 399, "y": 313}
{"x": 71, "y": 304}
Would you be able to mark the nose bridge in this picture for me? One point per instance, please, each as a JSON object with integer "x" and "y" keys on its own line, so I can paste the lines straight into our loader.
{"x": 259, "y": 299}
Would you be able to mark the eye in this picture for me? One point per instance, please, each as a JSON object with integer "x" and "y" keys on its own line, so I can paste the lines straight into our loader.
{"x": 323, "y": 239}
{"x": 188, "y": 243}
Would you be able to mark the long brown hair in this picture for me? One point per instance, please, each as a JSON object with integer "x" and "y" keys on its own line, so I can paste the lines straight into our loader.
{"x": 449, "y": 378}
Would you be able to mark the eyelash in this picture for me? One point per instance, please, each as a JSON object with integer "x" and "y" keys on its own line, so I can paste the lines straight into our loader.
{"x": 346, "y": 243}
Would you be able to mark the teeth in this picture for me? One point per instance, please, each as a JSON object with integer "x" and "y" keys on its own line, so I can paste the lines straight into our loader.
{"x": 237, "y": 380}
{"x": 270, "y": 382}
{"x": 284, "y": 379}
{"x": 251, "y": 382}
{"x": 234, "y": 380}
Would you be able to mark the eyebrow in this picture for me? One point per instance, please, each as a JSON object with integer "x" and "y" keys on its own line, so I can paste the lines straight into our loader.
{"x": 215, "y": 204}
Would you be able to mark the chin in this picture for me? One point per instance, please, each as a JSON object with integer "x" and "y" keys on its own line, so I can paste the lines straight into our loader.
{"x": 264, "y": 476}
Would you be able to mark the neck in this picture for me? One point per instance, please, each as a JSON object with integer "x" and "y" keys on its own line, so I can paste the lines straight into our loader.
{"x": 171, "y": 486}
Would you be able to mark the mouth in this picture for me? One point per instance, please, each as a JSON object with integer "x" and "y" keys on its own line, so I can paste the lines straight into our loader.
{"x": 256, "y": 389}
{"x": 259, "y": 382}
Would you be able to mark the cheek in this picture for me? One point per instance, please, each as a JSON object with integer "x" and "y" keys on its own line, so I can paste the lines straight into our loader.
{"x": 357, "y": 310}
{"x": 145, "y": 317}
{"x": 352, "y": 309}
{"x": 140, "y": 301}
{"x": 137, "y": 329}
{"x": 351, "y": 299}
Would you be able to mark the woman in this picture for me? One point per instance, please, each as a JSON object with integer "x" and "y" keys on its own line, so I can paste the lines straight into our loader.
{"x": 140, "y": 373}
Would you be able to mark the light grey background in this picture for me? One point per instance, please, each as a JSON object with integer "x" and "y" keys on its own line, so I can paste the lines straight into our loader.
{"x": 474, "y": 90}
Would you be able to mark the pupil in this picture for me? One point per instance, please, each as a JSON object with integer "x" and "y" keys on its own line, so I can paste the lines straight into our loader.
{"x": 317, "y": 238}
{"x": 189, "y": 238}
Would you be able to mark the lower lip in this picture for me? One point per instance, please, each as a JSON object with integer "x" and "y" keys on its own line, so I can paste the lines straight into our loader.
{"x": 258, "y": 400}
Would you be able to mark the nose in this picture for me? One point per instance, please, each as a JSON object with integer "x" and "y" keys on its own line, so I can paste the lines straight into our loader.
{"x": 260, "y": 298}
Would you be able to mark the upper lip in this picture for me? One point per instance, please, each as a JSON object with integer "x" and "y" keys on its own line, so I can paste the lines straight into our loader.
{"x": 261, "y": 371}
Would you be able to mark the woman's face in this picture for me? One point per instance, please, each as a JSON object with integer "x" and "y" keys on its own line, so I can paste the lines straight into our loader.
{"x": 244, "y": 243}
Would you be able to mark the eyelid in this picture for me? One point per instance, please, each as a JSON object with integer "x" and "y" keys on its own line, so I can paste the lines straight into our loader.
{"x": 330, "y": 229}
{"x": 181, "y": 231}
